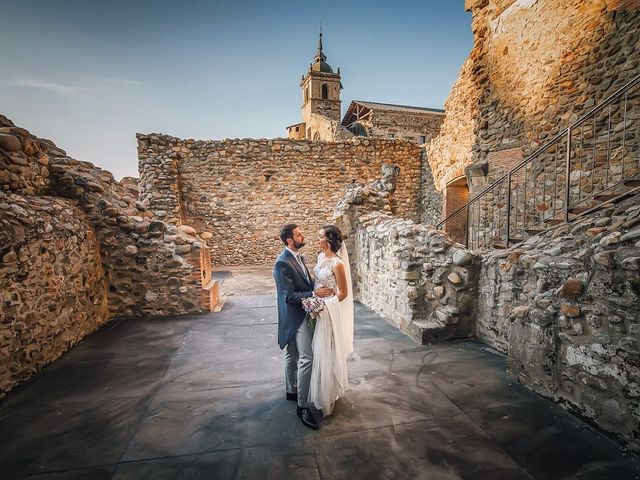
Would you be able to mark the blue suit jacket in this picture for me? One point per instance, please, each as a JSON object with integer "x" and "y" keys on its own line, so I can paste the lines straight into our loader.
{"x": 291, "y": 287}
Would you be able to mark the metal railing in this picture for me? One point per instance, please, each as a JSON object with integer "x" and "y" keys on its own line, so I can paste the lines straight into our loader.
{"x": 594, "y": 161}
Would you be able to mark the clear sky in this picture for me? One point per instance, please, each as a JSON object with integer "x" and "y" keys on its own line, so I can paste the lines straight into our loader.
{"x": 89, "y": 74}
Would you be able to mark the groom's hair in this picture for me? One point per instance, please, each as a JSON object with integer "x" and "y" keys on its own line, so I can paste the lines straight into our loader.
{"x": 287, "y": 232}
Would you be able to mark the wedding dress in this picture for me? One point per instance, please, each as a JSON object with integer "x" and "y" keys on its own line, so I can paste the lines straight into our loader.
{"x": 333, "y": 337}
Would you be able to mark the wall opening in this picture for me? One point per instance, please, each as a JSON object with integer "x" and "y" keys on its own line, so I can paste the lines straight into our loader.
{"x": 456, "y": 195}
{"x": 325, "y": 91}
{"x": 358, "y": 129}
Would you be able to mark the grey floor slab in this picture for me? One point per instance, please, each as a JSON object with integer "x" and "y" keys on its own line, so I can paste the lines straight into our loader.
{"x": 452, "y": 448}
{"x": 202, "y": 397}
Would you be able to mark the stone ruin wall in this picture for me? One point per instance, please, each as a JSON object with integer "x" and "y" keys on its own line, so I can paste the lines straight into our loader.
{"x": 238, "y": 193}
{"x": 539, "y": 65}
{"x": 450, "y": 152}
{"x": 563, "y": 307}
{"x": 402, "y": 124}
{"x": 425, "y": 284}
{"x": 326, "y": 129}
{"x": 76, "y": 250}
{"x": 53, "y": 289}
{"x": 535, "y": 68}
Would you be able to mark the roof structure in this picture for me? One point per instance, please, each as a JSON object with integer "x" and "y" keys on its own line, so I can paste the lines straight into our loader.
{"x": 358, "y": 108}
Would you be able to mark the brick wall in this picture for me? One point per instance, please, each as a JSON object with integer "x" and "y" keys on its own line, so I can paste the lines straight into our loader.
{"x": 456, "y": 197}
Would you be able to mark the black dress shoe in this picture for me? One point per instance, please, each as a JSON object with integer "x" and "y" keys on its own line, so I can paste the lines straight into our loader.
{"x": 292, "y": 397}
{"x": 307, "y": 418}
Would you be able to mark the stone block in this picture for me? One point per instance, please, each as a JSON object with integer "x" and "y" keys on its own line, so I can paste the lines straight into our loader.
{"x": 570, "y": 310}
{"x": 572, "y": 287}
{"x": 410, "y": 275}
{"x": 454, "y": 278}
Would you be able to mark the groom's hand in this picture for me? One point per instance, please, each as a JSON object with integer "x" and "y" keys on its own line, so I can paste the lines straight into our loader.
{"x": 323, "y": 292}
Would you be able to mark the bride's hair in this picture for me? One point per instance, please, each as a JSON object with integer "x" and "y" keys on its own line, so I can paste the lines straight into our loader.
{"x": 333, "y": 236}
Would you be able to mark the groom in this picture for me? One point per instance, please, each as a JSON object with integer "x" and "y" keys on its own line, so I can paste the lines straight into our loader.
{"x": 293, "y": 283}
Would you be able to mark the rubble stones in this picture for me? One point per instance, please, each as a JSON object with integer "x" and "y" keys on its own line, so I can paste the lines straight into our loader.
{"x": 462, "y": 258}
{"x": 572, "y": 287}
{"x": 584, "y": 297}
{"x": 10, "y": 143}
{"x": 187, "y": 229}
{"x": 425, "y": 308}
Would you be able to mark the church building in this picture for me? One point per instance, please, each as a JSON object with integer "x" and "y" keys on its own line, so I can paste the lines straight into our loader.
{"x": 321, "y": 114}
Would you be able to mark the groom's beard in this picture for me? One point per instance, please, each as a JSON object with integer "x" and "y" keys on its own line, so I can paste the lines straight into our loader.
{"x": 298, "y": 245}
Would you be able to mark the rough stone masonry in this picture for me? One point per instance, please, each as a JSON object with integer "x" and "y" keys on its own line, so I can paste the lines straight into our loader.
{"x": 76, "y": 250}
{"x": 237, "y": 193}
{"x": 562, "y": 306}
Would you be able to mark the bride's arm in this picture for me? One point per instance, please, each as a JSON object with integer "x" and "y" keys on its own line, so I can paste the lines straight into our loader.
{"x": 341, "y": 281}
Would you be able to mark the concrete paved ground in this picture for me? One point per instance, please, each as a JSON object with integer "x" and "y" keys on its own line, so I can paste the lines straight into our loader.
{"x": 202, "y": 397}
{"x": 256, "y": 280}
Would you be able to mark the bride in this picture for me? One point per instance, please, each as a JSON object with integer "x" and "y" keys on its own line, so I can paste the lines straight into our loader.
{"x": 333, "y": 337}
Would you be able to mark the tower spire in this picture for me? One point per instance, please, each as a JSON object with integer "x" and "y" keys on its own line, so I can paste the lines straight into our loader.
{"x": 320, "y": 57}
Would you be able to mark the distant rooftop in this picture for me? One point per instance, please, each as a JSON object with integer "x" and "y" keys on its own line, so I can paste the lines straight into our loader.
{"x": 391, "y": 106}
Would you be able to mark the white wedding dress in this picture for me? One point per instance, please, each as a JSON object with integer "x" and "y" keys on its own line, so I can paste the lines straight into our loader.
{"x": 333, "y": 337}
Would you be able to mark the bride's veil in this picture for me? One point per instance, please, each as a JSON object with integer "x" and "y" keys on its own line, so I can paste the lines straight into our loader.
{"x": 346, "y": 305}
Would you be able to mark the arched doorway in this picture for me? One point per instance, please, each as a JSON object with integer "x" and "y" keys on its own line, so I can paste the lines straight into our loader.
{"x": 456, "y": 195}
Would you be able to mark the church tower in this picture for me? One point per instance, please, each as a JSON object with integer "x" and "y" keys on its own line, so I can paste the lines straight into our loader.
{"x": 321, "y": 89}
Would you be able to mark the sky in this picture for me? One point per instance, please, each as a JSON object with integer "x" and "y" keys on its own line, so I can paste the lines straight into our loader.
{"x": 89, "y": 74}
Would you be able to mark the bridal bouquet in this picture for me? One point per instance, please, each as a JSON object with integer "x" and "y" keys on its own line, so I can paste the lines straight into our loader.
{"x": 313, "y": 306}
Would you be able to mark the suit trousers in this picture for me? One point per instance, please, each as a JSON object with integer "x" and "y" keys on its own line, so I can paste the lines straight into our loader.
{"x": 298, "y": 359}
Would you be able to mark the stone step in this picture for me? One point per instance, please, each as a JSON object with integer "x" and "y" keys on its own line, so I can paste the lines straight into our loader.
{"x": 605, "y": 197}
{"x": 427, "y": 331}
{"x": 579, "y": 210}
{"x": 632, "y": 183}
{"x": 554, "y": 221}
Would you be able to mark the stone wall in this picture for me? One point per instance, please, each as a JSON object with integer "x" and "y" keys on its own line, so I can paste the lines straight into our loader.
{"x": 237, "y": 193}
{"x": 24, "y": 162}
{"x": 450, "y": 152}
{"x": 425, "y": 284}
{"x": 53, "y": 290}
{"x": 403, "y": 124}
{"x": 326, "y": 129}
{"x": 151, "y": 267}
{"x": 562, "y": 306}
{"x": 564, "y": 309}
{"x": 535, "y": 68}
{"x": 76, "y": 249}
{"x": 540, "y": 64}
{"x": 411, "y": 274}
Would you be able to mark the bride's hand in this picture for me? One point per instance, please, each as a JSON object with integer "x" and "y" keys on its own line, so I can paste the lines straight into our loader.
{"x": 323, "y": 292}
